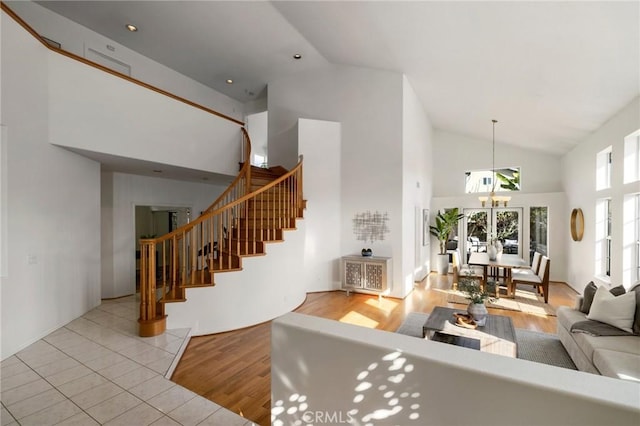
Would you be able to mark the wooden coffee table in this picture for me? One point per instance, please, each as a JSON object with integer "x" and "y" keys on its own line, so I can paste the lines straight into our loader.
{"x": 497, "y": 336}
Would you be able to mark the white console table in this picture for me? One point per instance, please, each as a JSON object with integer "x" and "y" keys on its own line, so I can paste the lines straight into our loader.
{"x": 365, "y": 274}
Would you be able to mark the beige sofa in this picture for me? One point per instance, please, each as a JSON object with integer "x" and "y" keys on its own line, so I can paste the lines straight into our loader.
{"x": 612, "y": 356}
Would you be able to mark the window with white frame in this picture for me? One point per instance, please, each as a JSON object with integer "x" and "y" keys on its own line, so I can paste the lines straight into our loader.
{"x": 603, "y": 237}
{"x": 603, "y": 169}
{"x": 631, "y": 240}
{"x": 506, "y": 179}
{"x": 632, "y": 157}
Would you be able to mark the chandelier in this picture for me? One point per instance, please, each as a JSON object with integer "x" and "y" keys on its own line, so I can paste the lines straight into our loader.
{"x": 495, "y": 199}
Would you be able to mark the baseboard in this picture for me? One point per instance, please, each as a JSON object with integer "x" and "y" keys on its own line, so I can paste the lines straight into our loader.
{"x": 178, "y": 356}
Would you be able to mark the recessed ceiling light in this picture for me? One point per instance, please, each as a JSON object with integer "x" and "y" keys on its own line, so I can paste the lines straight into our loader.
{"x": 297, "y": 56}
{"x": 229, "y": 81}
{"x": 132, "y": 28}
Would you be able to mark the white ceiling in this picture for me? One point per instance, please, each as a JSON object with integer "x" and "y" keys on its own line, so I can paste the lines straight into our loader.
{"x": 550, "y": 72}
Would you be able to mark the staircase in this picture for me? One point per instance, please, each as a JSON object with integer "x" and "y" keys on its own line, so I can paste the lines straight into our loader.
{"x": 255, "y": 210}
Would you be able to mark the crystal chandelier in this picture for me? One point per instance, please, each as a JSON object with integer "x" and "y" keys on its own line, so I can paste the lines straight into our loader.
{"x": 495, "y": 199}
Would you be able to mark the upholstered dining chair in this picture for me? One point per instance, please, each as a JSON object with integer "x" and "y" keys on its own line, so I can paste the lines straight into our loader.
{"x": 459, "y": 269}
{"x": 540, "y": 280}
{"x": 533, "y": 270}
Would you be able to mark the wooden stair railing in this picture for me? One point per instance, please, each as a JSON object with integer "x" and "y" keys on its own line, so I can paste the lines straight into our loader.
{"x": 241, "y": 185}
{"x": 215, "y": 242}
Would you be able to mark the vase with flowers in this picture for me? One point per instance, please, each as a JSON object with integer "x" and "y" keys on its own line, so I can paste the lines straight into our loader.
{"x": 494, "y": 247}
{"x": 477, "y": 295}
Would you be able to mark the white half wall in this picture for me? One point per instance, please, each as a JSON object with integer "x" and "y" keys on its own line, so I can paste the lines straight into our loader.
{"x": 96, "y": 111}
{"x": 52, "y": 205}
{"x": 579, "y": 180}
{"x": 76, "y": 38}
{"x": 120, "y": 194}
{"x": 267, "y": 287}
{"x": 320, "y": 142}
{"x": 324, "y": 371}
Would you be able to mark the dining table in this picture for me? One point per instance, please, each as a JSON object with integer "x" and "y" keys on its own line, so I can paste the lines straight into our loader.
{"x": 505, "y": 261}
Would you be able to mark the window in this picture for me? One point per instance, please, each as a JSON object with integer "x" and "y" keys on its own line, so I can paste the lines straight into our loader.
{"x": 259, "y": 160}
{"x": 631, "y": 240}
{"x": 603, "y": 169}
{"x": 603, "y": 237}
{"x": 507, "y": 179}
{"x": 632, "y": 157}
{"x": 538, "y": 231}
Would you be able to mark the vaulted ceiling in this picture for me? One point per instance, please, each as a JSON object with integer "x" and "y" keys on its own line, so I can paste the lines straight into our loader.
{"x": 550, "y": 72}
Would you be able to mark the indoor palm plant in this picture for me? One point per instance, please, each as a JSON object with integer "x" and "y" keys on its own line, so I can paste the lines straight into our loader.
{"x": 445, "y": 223}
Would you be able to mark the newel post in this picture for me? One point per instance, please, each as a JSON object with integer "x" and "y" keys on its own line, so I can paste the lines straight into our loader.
{"x": 152, "y": 321}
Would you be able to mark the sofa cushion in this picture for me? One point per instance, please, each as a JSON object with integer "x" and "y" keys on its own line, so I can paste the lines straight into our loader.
{"x": 567, "y": 316}
{"x": 619, "y": 365}
{"x": 590, "y": 290}
{"x": 617, "y": 311}
{"x": 618, "y": 291}
{"x": 588, "y": 344}
{"x": 587, "y": 297}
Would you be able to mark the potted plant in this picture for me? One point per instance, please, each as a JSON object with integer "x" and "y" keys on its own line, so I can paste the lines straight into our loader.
{"x": 477, "y": 296}
{"x": 445, "y": 223}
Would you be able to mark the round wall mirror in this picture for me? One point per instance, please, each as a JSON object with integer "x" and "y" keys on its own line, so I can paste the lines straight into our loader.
{"x": 577, "y": 224}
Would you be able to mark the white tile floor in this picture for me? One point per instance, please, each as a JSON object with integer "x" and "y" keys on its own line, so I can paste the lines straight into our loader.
{"x": 96, "y": 370}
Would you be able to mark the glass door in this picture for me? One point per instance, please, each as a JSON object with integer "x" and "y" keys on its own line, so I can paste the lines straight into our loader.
{"x": 476, "y": 230}
{"x": 480, "y": 225}
{"x": 507, "y": 223}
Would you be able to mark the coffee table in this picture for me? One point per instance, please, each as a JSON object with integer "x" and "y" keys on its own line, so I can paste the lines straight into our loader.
{"x": 497, "y": 336}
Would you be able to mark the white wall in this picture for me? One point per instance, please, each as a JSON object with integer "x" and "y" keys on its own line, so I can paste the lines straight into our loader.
{"x": 455, "y": 154}
{"x": 541, "y": 185}
{"x": 96, "y": 111}
{"x": 75, "y": 38}
{"x": 267, "y": 287}
{"x": 579, "y": 170}
{"x": 320, "y": 143}
{"x": 120, "y": 194}
{"x": 368, "y": 104}
{"x": 343, "y": 372}
{"x": 417, "y": 176}
{"x": 257, "y": 127}
{"x": 53, "y": 206}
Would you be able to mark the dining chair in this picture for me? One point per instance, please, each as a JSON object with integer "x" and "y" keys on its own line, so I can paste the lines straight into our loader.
{"x": 533, "y": 270}
{"x": 540, "y": 280}
{"x": 459, "y": 269}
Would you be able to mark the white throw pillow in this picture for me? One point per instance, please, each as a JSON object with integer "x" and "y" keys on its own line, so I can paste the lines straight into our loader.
{"x": 617, "y": 311}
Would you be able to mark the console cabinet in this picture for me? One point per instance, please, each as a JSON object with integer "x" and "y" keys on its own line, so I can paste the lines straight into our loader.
{"x": 366, "y": 274}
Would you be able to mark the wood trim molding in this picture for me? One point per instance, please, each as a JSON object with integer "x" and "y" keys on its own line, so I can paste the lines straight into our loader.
{"x": 38, "y": 37}
{"x": 577, "y": 224}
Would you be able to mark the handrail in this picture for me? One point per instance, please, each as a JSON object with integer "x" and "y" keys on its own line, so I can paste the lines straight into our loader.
{"x": 215, "y": 241}
{"x": 241, "y": 185}
{"x": 231, "y": 204}
{"x": 85, "y": 61}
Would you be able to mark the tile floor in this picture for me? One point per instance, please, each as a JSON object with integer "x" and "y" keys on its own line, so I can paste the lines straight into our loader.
{"x": 96, "y": 370}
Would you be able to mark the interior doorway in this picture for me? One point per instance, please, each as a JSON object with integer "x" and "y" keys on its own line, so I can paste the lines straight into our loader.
{"x": 155, "y": 221}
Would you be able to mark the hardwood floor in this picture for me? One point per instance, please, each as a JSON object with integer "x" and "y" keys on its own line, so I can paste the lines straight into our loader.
{"x": 233, "y": 369}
